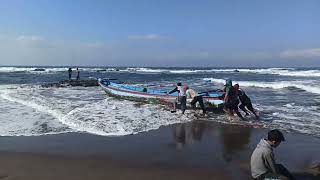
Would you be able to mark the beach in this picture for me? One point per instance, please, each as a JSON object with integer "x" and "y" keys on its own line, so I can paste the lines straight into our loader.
{"x": 198, "y": 149}
{"x": 67, "y": 132}
{"x": 159, "y": 90}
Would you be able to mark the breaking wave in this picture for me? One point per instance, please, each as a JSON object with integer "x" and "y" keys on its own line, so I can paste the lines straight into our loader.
{"x": 73, "y": 109}
{"x": 309, "y": 86}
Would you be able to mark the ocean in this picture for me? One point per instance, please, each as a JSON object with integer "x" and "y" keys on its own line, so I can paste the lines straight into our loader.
{"x": 287, "y": 99}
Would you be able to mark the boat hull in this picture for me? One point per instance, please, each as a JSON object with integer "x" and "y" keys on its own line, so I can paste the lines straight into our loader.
{"x": 157, "y": 95}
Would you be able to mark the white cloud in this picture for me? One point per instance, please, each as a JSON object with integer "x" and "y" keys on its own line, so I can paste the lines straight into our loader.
{"x": 145, "y": 37}
{"x": 306, "y": 53}
{"x": 30, "y": 38}
{"x": 37, "y": 50}
{"x": 97, "y": 45}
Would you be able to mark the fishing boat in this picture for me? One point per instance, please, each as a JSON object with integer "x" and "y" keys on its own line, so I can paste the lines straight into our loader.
{"x": 211, "y": 99}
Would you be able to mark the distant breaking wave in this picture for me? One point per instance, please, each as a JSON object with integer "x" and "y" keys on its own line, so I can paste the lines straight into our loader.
{"x": 274, "y": 71}
{"x": 308, "y": 86}
{"x": 284, "y": 72}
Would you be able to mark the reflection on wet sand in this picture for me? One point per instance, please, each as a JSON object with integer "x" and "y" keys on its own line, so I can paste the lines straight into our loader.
{"x": 187, "y": 133}
{"x": 234, "y": 140}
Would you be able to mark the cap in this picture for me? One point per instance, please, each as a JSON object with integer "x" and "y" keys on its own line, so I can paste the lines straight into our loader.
{"x": 228, "y": 82}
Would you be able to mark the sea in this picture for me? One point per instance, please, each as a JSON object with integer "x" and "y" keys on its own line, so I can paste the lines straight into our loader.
{"x": 286, "y": 98}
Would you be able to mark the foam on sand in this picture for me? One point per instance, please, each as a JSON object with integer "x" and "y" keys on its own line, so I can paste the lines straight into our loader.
{"x": 114, "y": 117}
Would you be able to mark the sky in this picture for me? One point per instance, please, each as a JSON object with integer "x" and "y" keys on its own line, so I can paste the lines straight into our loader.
{"x": 185, "y": 33}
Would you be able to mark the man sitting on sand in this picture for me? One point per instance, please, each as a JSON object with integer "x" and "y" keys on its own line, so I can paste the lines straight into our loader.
{"x": 263, "y": 164}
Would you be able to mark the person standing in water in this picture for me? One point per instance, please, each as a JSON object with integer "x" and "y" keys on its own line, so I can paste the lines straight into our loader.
{"x": 245, "y": 101}
{"x": 263, "y": 165}
{"x": 231, "y": 100}
{"x": 182, "y": 99}
{"x": 70, "y": 72}
{"x": 78, "y": 74}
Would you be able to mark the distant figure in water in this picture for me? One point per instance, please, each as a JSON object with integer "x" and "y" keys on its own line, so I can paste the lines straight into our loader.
{"x": 78, "y": 74}
{"x": 195, "y": 97}
{"x": 182, "y": 99}
{"x": 245, "y": 101}
{"x": 263, "y": 165}
{"x": 231, "y": 100}
{"x": 70, "y": 72}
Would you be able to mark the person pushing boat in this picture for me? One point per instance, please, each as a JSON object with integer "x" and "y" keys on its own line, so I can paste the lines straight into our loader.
{"x": 231, "y": 100}
{"x": 195, "y": 97}
{"x": 245, "y": 101}
{"x": 182, "y": 99}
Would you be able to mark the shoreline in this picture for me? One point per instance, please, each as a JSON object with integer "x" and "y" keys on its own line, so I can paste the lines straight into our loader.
{"x": 181, "y": 151}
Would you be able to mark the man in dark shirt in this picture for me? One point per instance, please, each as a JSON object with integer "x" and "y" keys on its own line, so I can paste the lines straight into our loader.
{"x": 231, "y": 100}
{"x": 69, "y": 71}
{"x": 245, "y": 101}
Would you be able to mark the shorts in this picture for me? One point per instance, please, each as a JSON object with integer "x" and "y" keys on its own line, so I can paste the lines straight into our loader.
{"x": 182, "y": 100}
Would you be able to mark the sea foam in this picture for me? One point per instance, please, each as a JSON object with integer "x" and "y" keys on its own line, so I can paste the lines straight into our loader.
{"x": 309, "y": 86}
{"x": 86, "y": 110}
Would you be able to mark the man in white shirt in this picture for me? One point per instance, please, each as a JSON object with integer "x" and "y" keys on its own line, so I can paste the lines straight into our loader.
{"x": 181, "y": 97}
{"x": 192, "y": 94}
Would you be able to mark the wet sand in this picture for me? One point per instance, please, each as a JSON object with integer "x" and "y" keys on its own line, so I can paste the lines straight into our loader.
{"x": 195, "y": 150}
{"x": 27, "y": 166}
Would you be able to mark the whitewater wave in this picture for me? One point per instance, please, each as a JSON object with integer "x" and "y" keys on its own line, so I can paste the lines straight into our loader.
{"x": 34, "y": 111}
{"x": 111, "y": 117}
{"x": 23, "y": 118}
{"x": 71, "y": 110}
{"x": 293, "y": 117}
{"x": 275, "y": 71}
{"x": 309, "y": 86}
{"x": 40, "y": 70}
{"x": 35, "y": 70}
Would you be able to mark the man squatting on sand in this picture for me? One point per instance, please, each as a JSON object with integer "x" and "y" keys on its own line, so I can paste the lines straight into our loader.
{"x": 263, "y": 165}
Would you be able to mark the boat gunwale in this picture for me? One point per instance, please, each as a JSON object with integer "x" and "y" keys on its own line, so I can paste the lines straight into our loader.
{"x": 152, "y": 95}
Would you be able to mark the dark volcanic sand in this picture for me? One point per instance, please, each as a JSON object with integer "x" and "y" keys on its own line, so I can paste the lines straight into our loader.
{"x": 195, "y": 150}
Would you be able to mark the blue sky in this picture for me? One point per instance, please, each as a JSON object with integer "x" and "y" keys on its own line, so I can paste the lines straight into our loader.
{"x": 160, "y": 32}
